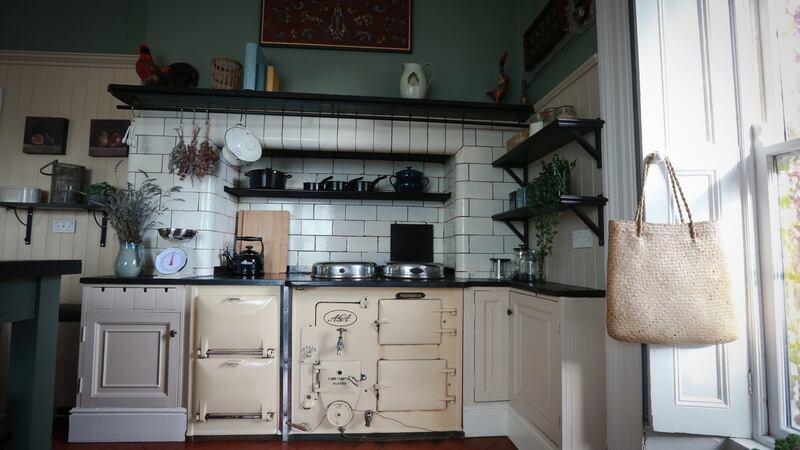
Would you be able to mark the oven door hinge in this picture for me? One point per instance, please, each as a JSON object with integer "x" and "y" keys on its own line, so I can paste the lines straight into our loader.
{"x": 80, "y": 385}
{"x": 450, "y": 331}
{"x": 450, "y": 371}
{"x": 452, "y": 311}
{"x": 83, "y": 333}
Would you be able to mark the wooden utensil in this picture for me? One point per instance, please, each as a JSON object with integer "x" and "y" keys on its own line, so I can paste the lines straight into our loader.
{"x": 273, "y": 227}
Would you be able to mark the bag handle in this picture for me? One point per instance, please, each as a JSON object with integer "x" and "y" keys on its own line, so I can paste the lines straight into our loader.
{"x": 676, "y": 190}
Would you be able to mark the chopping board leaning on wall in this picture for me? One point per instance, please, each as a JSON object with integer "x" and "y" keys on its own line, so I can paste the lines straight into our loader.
{"x": 273, "y": 227}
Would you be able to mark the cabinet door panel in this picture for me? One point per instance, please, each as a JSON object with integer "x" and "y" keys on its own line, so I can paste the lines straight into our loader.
{"x": 130, "y": 359}
{"x": 536, "y": 362}
{"x": 491, "y": 346}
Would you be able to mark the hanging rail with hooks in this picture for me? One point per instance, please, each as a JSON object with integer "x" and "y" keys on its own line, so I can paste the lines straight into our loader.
{"x": 289, "y": 104}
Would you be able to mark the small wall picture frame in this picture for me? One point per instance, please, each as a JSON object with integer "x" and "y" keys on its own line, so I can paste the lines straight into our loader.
{"x": 45, "y": 136}
{"x": 105, "y": 137}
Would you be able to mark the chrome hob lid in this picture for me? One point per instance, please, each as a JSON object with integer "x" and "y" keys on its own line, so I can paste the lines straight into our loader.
{"x": 343, "y": 270}
{"x": 413, "y": 270}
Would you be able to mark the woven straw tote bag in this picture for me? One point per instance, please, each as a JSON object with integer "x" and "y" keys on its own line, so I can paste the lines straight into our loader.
{"x": 668, "y": 283}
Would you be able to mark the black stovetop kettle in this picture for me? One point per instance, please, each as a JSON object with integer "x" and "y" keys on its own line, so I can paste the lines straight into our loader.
{"x": 247, "y": 262}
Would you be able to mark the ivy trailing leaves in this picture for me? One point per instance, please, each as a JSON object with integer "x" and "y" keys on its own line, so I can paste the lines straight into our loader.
{"x": 544, "y": 200}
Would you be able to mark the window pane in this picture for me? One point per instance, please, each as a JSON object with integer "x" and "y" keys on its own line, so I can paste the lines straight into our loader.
{"x": 788, "y": 169}
{"x": 789, "y": 41}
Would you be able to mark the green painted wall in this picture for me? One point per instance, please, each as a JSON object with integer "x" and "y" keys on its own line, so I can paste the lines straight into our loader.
{"x": 567, "y": 58}
{"x": 93, "y": 26}
{"x": 462, "y": 38}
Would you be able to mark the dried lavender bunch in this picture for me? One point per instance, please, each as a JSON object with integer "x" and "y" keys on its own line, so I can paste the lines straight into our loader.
{"x": 132, "y": 211}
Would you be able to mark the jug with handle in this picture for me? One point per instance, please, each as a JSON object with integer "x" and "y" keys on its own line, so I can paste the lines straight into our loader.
{"x": 414, "y": 83}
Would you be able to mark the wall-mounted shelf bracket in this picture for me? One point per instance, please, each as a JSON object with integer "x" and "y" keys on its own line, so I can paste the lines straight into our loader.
{"x": 522, "y": 235}
{"x": 597, "y": 230}
{"x": 593, "y": 150}
{"x": 516, "y": 177}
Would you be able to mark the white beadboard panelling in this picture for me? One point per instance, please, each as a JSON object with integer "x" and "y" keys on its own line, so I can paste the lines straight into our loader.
{"x": 42, "y": 87}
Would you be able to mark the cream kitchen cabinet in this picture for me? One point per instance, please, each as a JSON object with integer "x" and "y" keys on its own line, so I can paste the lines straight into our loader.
{"x": 534, "y": 368}
{"x": 130, "y": 375}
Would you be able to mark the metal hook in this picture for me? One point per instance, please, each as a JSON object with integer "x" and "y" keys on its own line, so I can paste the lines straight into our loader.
{"x": 181, "y": 116}
{"x": 133, "y": 114}
{"x": 241, "y": 116}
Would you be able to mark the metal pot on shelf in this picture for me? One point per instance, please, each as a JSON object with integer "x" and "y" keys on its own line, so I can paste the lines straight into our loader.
{"x": 409, "y": 180}
{"x": 360, "y": 185}
{"x": 267, "y": 178}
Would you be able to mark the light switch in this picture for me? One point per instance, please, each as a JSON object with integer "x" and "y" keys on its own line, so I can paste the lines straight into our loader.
{"x": 581, "y": 239}
{"x": 63, "y": 226}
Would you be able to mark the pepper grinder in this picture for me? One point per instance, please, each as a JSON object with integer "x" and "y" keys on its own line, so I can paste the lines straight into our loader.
{"x": 498, "y": 268}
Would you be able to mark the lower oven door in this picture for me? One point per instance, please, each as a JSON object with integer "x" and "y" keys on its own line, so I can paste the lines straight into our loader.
{"x": 413, "y": 385}
{"x": 236, "y": 388}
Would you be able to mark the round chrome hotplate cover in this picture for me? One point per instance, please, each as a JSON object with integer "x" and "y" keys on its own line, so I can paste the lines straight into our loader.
{"x": 343, "y": 270}
{"x": 413, "y": 270}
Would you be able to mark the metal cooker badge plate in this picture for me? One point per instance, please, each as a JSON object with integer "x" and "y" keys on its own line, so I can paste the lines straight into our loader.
{"x": 340, "y": 318}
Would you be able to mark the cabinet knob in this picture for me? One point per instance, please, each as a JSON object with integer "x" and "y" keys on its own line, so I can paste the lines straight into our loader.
{"x": 173, "y": 333}
{"x": 509, "y": 311}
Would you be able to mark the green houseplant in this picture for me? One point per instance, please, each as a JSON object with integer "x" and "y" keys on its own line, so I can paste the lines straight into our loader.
{"x": 132, "y": 211}
{"x": 544, "y": 200}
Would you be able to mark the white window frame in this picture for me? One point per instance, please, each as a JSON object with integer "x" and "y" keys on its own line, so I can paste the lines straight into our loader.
{"x": 772, "y": 284}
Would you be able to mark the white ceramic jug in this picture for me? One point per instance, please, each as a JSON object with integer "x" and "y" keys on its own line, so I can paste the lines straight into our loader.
{"x": 413, "y": 82}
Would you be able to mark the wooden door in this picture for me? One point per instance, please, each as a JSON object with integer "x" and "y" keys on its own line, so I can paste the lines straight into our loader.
{"x": 492, "y": 328}
{"x": 130, "y": 359}
{"x": 536, "y": 362}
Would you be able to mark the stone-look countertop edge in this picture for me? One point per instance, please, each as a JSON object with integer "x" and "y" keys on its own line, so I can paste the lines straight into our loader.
{"x": 305, "y": 281}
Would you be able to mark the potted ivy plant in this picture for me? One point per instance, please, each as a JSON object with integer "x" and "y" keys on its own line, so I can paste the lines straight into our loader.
{"x": 96, "y": 192}
{"x": 544, "y": 200}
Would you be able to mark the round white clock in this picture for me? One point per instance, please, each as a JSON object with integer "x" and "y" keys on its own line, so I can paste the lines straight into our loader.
{"x": 171, "y": 261}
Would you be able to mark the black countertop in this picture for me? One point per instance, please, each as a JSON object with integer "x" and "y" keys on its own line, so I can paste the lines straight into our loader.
{"x": 299, "y": 280}
{"x": 38, "y": 268}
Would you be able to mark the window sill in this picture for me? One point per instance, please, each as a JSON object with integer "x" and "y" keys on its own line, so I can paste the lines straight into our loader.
{"x": 745, "y": 444}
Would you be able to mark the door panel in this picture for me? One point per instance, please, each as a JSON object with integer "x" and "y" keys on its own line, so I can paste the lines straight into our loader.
{"x": 491, "y": 346}
{"x": 536, "y": 362}
{"x": 131, "y": 360}
{"x": 688, "y": 112}
{"x": 412, "y": 385}
{"x": 236, "y": 387}
{"x": 234, "y": 322}
{"x": 410, "y": 322}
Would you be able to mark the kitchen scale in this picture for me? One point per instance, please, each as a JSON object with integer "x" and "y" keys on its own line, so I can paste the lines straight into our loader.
{"x": 174, "y": 259}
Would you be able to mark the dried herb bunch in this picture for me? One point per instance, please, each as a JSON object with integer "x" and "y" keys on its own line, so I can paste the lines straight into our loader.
{"x": 193, "y": 160}
{"x": 132, "y": 211}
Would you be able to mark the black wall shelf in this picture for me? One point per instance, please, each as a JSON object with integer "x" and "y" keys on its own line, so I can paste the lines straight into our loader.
{"x": 370, "y": 156}
{"x": 30, "y": 207}
{"x": 320, "y": 105}
{"x": 553, "y": 136}
{"x": 575, "y": 203}
{"x": 351, "y": 195}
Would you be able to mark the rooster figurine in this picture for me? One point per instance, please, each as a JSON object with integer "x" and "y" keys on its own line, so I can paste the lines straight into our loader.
{"x": 503, "y": 80}
{"x": 173, "y": 75}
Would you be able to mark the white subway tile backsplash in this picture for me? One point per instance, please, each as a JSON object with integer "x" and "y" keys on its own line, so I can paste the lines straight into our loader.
{"x": 428, "y": 215}
{"x": 328, "y": 212}
{"x": 385, "y": 244}
{"x": 436, "y": 136}
{"x": 154, "y": 145}
{"x": 501, "y": 190}
{"x": 316, "y": 227}
{"x": 328, "y": 134}
{"x": 348, "y": 166}
{"x": 346, "y": 136}
{"x": 362, "y": 244}
{"x": 354, "y": 212}
{"x": 309, "y": 133}
{"x": 392, "y": 213}
{"x": 295, "y": 226}
{"x": 378, "y": 167}
{"x": 300, "y": 211}
{"x": 149, "y": 126}
{"x": 266, "y": 207}
{"x": 469, "y": 137}
{"x": 474, "y": 189}
{"x": 364, "y": 135}
{"x": 273, "y": 132}
{"x": 454, "y": 138}
{"x": 419, "y": 137}
{"x": 485, "y": 208}
{"x": 486, "y": 244}
{"x": 309, "y": 258}
{"x": 382, "y": 135}
{"x": 315, "y": 166}
{"x": 401, "y": 136}
{"x": 348, "y": 228}
{"x": 474, "y": 225}
{"x": 303, "y": 242}
{"x": 484, "y": 172}
{"x": 476, "y": 155}
{"x": 291, "y": 133}
{"x": 489, "y": 138}
{"x": 377, "y": 228}
{"x": 331, "y": 243}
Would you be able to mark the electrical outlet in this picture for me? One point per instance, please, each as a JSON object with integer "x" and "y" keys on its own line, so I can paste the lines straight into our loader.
{"x": 63, "y": 226}
{"x": 581, "y": 239}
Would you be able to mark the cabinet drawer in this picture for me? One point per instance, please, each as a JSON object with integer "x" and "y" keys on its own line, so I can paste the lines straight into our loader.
{"x": 144, "y": 298}
{"x": 413, "y": 385}
{"x": 166, "y": 299}
{"x": 236, "y": 322}
{"x": 235, "y": 388}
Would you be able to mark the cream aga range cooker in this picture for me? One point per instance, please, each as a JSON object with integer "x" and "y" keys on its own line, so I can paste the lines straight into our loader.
{"x": 375, "y": 359}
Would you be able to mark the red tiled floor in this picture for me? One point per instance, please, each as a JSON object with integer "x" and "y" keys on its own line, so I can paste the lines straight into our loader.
{"x": 491, "y": 443}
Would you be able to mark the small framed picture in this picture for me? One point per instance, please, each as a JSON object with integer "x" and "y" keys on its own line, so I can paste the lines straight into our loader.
{"x": 105, "y": 137}
{"x": 45, "y": 136}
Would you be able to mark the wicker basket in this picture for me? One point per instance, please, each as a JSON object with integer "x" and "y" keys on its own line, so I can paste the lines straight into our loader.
{"x": 226, "y": 73}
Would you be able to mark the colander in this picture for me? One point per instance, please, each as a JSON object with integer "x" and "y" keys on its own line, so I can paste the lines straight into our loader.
{"x": 242, "y": 144}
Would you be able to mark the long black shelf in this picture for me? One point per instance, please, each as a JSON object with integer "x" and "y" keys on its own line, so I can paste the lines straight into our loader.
{"x": 30, "y": 207}
{"x": 553, "y": 136}
{"x": 575, "y": 203}
{"x": 350, "y": 195}
{"x": 319, "y": 105}
{"x": 370, "y": 156}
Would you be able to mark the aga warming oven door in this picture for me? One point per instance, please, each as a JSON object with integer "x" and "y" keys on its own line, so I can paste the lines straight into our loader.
{"x": 376, "y": 361}
{"x": 235, "y": 366}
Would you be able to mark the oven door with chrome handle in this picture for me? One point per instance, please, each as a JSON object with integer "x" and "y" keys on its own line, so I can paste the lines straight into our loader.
{"x": 235, "y": 388}
{"x": 236, "y": 325}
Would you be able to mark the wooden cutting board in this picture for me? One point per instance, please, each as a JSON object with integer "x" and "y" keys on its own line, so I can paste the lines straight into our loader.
{"x": 273, "y": 227}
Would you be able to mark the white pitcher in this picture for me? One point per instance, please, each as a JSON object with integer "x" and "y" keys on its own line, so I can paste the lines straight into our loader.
{"x": 413, "y": 82}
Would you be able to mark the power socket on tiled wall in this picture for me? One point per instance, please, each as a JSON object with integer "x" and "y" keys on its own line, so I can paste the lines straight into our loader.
{"x": 465, "y": 236}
